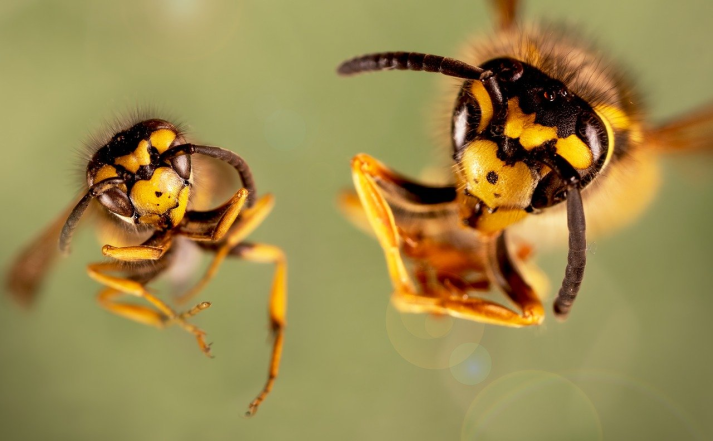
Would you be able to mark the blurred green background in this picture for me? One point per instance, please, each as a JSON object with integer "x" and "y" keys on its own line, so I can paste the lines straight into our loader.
{"x": 257, "y": 77}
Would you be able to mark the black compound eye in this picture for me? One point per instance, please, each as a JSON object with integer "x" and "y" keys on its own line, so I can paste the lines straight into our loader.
{"x": 182, "y": 165}
{"x": 591, "y": 130}
{"x": 466, "y": 118}
{"x": 117, "y": 202}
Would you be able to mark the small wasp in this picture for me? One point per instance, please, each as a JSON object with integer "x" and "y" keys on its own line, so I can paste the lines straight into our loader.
{"x": 142, "y": 185}
{"x": 541, "y": 126}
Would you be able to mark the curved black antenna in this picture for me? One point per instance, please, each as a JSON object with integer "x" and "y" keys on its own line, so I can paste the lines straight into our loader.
{"x": 500, "y": 108}
{"x": 577, "y": 254}
{"x": 409, "y": 61}
{"x": 231, "y": 158}
{"x": 70, "y": 224}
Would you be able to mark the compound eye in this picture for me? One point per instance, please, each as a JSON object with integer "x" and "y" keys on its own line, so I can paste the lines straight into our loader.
{"x": 591, "y": 130}
{"x": 466, "y": 119}
{"x": 117, "y": 202}
{"x": 182, "y": 165}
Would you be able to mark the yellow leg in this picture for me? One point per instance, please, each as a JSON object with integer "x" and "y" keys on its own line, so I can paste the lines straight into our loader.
{"x": 350, "y": 205}
{"x": 479, "y": 310}
{"x": 213, "y": 225}
{"x": 365, "y": 171}
{"x": 117, "y": 286}
{"x": 263, "y": 253}
{"x": 152, "y": 249}
{"x": 234, "y": 207}
{"x": 247, "y": 223}
{"x": 137, "y": 313}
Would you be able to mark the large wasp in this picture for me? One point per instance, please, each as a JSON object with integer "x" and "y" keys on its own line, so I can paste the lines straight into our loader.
{"x": 542, "y": 128}
{"x": 141, "y": 184}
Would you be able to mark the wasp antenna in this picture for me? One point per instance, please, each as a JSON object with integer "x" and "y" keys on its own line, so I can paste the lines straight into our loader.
{"x": 500, "y": 109}
{"x": 576, "y": 256}
{"x": 70, "y": 225}
{"x": 409, "y": 61}
{"x": 237, "y": 162}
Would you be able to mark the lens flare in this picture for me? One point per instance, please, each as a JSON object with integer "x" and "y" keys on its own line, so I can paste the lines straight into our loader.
{"x": 432, "y": 342}
{"x": 476, "y": 364}
{"x": 528, "y": 404}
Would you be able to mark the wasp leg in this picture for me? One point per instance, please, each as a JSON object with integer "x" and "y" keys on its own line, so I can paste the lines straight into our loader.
{"x": 450, "y": 294}
{"x": 263, "y": 253}
{"x": 213, "y": 225}
{"x": 456, "y": 284}
{"x": 162, "y": 316}
{"x": 511, "y": 282}
{"x": 232, "y": 245}
{"x": 250, "y": 219}
{"x": 366, "y": 171}
{"x": 470, "y": 308}
{"x": 152, "y": 249}
{"x": 350, "y": 205}
{"x": 506, "y": 11}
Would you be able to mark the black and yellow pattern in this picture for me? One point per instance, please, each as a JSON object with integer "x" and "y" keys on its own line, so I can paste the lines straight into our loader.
{"x": 153, "y": 191}
{"x": 543, "y": 130}
{"x": 142, "y": 180}
{"x": 498, "y": 159}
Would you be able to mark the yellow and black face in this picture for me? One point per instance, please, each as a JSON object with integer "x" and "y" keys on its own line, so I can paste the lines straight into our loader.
{"x": 512, "y": 134}
{"x": 154, "y": 191}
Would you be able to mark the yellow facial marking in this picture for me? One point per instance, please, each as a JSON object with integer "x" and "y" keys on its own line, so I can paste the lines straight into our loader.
{"x": 136, "y": 159}
{"x": 161, "y": 139}
{"x": 492, "y": 181}
{"x": 486, "y": 104}
{"x": 523, "y": 127}
{"x": 177, "y": 213}
{"x": 159, "y": 194}
{"x": 520, "y": 125}
{"x": 150, "y": 219}
{"x": 575, "y": 151}
{"x": 498, "y": 221}
{"x": 106, "y": 172}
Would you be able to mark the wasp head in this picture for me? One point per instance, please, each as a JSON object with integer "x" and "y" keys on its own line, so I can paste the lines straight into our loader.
{"x": 520, "y": 139}
{"x": 152, "y": 187}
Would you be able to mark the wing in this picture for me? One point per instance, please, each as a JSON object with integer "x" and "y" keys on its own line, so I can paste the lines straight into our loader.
{"x": 506, "y": 11}
{"x": 28, "y": 271}
{"x": 692, "y": 132}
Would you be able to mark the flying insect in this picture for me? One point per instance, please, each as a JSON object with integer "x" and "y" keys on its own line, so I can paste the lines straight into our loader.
{"x": 543, "y": 130}
{"x": 141, "y": 184}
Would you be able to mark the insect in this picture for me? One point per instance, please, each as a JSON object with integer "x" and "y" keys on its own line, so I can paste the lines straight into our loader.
{"x": 543, "y": 130}
{"x": 141, "y": 184}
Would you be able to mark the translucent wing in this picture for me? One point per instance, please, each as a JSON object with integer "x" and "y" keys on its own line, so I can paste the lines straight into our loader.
{"x": 29, "y": 269}
{"x": 689, "y": 133}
